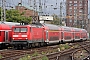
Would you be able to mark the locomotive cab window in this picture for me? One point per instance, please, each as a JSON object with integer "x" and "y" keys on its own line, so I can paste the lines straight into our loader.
{"x": 23, "y": 29}
{"x": 20, "y": 29}
{"x": 16, "y": 29}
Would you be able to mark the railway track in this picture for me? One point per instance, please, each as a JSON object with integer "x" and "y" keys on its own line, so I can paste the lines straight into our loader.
{"x": 52, "y": 52}
{"x": 16, "y": 54}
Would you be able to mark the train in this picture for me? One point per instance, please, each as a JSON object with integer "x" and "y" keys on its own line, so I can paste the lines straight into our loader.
{"x": 6, "y": 34}
{"x": 27, "y": 36}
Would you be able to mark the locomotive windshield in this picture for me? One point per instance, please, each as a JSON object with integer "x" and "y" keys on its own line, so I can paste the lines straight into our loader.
{"x": 20, "y": 29}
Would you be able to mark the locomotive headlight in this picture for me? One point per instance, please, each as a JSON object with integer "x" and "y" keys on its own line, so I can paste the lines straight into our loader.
{"x": 13, "y": 38}
{"x": 26, "y": 38}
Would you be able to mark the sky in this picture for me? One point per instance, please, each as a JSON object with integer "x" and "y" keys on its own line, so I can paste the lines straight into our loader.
{"x": 49, "y": 10}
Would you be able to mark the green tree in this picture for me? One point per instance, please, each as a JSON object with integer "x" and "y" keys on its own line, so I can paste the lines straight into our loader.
{"x": 13, "y": 15}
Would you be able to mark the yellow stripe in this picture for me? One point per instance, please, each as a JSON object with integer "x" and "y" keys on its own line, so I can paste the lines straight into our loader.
{"x": 53, "y": 31}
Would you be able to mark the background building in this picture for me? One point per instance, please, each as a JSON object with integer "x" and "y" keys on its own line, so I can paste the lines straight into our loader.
{"x": 77, "y": 13}
{"x": 27, "y": 12}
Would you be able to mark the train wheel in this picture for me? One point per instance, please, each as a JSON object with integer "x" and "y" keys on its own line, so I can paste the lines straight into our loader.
{"x": 15, "y": 47}
{"x": 29, "y": 45}
{"x": 33, "y": 44}
{"x": 45, "y": 44}
{"x": 20, "y": 46}
{"x": 42, "y": 44}
{"x": 38, "y": 44}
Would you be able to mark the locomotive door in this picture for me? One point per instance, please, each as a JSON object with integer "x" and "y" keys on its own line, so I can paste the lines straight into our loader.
{"x": 6, "y": 36}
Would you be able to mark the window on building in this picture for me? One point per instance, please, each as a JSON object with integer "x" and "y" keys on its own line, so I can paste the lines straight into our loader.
{"x": 75, "y": 10}
{"x": 70, "y": 4}
{"x": 75, "y": 1}
{"x": 81, "y": 8}
{"x": 70, "y": 7}
{"x": 70, "y": 20}
{"x": 75, "y": 7}
{"x": 70, "y": 1}
{"x": 75, "y": 21}
{"x": 75, "y": 4}
{"x": 70, "y": 14}
{"x": 80, "y": 11}
{"x": 74, "y": 14}
{"x": 80, "y": 4}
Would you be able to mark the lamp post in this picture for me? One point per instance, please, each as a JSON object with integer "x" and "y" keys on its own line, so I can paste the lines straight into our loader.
{"x": 60, "y": 13}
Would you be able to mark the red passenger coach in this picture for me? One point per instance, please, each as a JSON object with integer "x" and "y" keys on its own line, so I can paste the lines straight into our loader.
{"x": 67, "y": 34}
{"x": 51, "y": 33}
{"x": 5, "y": 35}
{"x": 77, "y": 34}
{"x": 84, "y": 35}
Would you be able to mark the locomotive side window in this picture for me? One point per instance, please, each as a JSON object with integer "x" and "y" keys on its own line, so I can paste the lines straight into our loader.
{"x": 16, "y": 29}
{"x": 23, "y": 29}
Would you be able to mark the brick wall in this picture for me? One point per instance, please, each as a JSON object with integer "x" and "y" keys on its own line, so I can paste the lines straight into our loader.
{"x": 27, "y": 12}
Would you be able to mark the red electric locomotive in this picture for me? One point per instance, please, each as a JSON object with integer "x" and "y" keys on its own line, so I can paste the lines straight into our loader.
{"x": 5, "y": 35}
{"x": 27, "y": 35}
{"x": 42, "y": 34}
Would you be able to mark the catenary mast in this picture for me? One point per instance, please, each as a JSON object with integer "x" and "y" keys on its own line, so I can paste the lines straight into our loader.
{"x": 3, "y": 11}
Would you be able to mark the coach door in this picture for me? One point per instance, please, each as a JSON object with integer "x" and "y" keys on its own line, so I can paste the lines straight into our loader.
{"x": 6, "y": 36}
